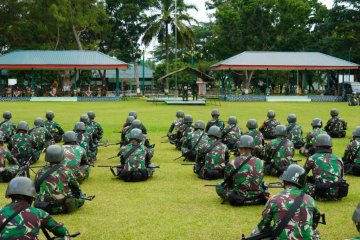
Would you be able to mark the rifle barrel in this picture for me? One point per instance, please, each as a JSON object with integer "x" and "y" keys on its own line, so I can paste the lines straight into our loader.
{"x": 210, "y": 185}
{"x": 188, "y": 164}
{"x": 107, "y": 166}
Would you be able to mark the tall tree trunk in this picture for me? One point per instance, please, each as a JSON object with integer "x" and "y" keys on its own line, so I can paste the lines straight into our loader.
{"x": 167, "y": 40}
{"x": 136, "y": 75}
{"x": 77, "y": 37}
{"x": 248, "y": 79}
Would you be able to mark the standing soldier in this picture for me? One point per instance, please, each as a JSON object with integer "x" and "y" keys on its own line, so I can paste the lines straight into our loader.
{"x": 268, "y": 127}
{"x": 53, "y": 127}
{"x": 243, "y": 180}
{"x": 336, "y": 127}
{"x": 7, "y": 172}
{"x": 212, "y": 156}
{"x": 294, "y": 131}
{"x": 278, "y": 153}
{"x": 293, "y": 212}
{"x": 21, "y": 145}
{"x": 75, "y": 157}
{"x": 41, "y": 138}
{"x": 231, "y": 134}
{"x": 20, "y": 220}
{"x": 50, "y": 196}
{"x": 184, "y": 130}
{"x": 194, "y": 140}
{"x": 175, "y": 125}
{"x": 258, "y": 137}
{"x": 351, "y": 156}
{"x": 98, "y": 129}
{"x": 135, "y": 159}
{"x": 327, "y": 181}
{"x": 309, "y": 147}
{"x": 215, "y": 121}
{"x": 7, "y": 127}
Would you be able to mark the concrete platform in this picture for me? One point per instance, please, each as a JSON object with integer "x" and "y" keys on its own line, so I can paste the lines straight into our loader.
{"x": 288, "y": 99}
{"x": 164, "y": 99}
{"x": 53, "y": 99}
{"x": 194, "y": 103}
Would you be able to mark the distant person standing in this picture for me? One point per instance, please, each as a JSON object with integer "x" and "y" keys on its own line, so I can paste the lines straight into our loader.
{"x": 194, "y": 92}
{"x": 185, "y": 94}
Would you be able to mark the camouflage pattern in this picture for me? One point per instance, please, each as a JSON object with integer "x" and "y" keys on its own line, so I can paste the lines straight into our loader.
{"x": 7, "y": 172}
{"x": 215, "y": 122}
{"x": 211, "y": 158}
{"x": 258, "y": 141}
{"x": 185, "y": 130}
{"x": 309, "y": 146}
{"x": 188, "y": 147}
{"x": 295, "y": 134}
{"x": 76, "y": 160}
{"x": 54, "y": 129}
{"x": 85, "y": 141}
{"x": 268, "y": 128}
{"x": 41, "y": 139}
{"x": 21, "y": 146}
{"x": 126, "y": 130}
{"x": 247, "y": 182}
{"x": 301, "y": 225}
{"x": 175, "y": 125}
{"x": 351, "y": 157}
{"x": 93, "y": 141}
{"x": 336, "y": 127}
{"x": 230, "y": 135}
{"x": 277, "y": 162}
{"x": 59, "y": 190}
{"x": 8, "y": 128}
{"x": 27, "y": 224}
{"x": 98, "y": 129}
{"x": 326, "y": 168}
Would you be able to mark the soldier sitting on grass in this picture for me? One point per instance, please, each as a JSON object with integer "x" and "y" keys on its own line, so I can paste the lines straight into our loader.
{"x": 7, "y": 172}
{"x": 41, "y": 137}
{"x": 309, "y": 148}
{"x": 336, "y": 127}
{"x": 175, "y": 125}
{"x": 258, "y": 138}
{"x": 231, "y": 134}
{"x": 268, "y": 127}
{"x": 194, "y": 140}
{"x": 294, "y": 131}
{"x": 53, "y": 127}
{"x": 215, "y": 121}
{"x": 351, "y": 156}
{"x": 7, "y": 126}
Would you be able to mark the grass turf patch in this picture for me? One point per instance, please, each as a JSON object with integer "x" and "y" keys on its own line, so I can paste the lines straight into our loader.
{"x": 174, "y": 204}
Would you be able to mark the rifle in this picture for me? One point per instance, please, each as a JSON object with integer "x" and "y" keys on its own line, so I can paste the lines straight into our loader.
{"x": 178, "y": 157}
{"x": 210, "y": 185}
{"x": 296, "y": 160}
{"x": 70, "y": 235}
{"x": 37, "y": 166}
{"x": 111, "y": 144}
{"x": 164, "y": 136}
{"x": 184, "y": 164}
{"x": 88, "y": 198}
{"x": 117, "y": 132}
{"x": 112, "y": 157}
{"x": 274, "y": 185}
{"x": 24, "y": 168}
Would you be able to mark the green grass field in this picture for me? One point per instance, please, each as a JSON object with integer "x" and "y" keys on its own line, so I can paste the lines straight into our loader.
{"x": 174, "y": 204}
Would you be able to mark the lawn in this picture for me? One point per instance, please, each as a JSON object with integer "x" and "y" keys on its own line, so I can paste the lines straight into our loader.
{"x": 174, "y": 204}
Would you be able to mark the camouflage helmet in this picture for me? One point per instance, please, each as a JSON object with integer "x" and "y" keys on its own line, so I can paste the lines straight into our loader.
{"x": 215, "y": 112}
{"x": 49, "y": 115}
{"x": 356, "y": 133}
{"x": 136, "y": 123}
{"x": 280, "y": 130}
{"x": 251, "y": 124}
{"x": 54, "y": 154}
{"x": 133, "y": 113}
{"x": 291, "y": 118}
{"x": 129, "y": 119}
{"x": 180, "y": 114}
{"x": 136, "y": 134}
{"x": 2, "y": 136}
{"x": 199, "y": 124}
{"x": 21, "y": 186}
{"x": 38, "y": 122}
{"x": 91, "y": 115}
{"x": 323, "y": 140}
{"x": 271, "y": 114}
{"x": 294, "y": 174}
{"x": 214, "y": 131}
{"x": 232, "y": 120}
{"x": 84, "y": 118}
{"x": 7, "y": 115}
{"x": 22, "y": 125}
{"x": 356, "y": 217}
{"x": 188, "y": 119}
{"x": 79, "y": 126}
{"x": 69, "y": 136}
{"x": 334, "y": 112}
{"x": 246, "y": 141}
{"x": 316, "y": 122}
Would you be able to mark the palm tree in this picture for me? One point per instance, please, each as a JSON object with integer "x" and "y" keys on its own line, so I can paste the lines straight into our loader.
{"x": 162, "y": 22}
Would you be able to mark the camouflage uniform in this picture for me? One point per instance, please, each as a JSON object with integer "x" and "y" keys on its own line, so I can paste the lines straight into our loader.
{"x": 295, "y": 133}
{"x": 247, "y": 183}
{"x": 309, "y": 147}
{"x": 277, "y": 162}
{"x": 41, "y": 139}
{"x": 175, "y": 125}
{"x": 93, "y": 141}
{"x": 98, "y": 129}
{"x": 215, "y": 122}
{"x": 268, "y": 128}
{"x": 301, "y": 225}
{"x": 84, "y": 140}
{"x": 327, "y": 170}
{"x": 258, "y": 141}
{"x": 59, "y": 192}
{"x": 135, "y": 167}
{"x": 7, "y": 172}
{"x": 21, "y": 146}
{"x": 211, "y": 160}
{"x": 27, "y": 224}
{"x": 184, "y": 131}
{"x": 336, "y": 127}
{"x": 8, "y": 128}
{"x": 351, "y": 157}
{"x": 76, "y": 160}
{"x": 230, "y": 135}
{"x": 55, "y": 129}
{"x": 188, "y": 147}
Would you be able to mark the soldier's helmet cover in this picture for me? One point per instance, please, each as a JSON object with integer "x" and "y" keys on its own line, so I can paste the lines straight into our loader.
{"x": 294, "y": 174}
{"x": 21, "y": 186}
{"x": 214, "y": 131}
{"x": 54, "y": 154}
{"x": 246, "y": 141}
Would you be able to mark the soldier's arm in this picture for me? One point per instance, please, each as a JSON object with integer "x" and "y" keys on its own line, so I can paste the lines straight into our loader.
{"x": 60, "y": 130}
{"x": 308, "y": 165}
{"x": 267, "y": 217}
{"x": 100, "y": 131}
{"x": 12, "y": 160}
{"x": 172, "y": 126}
{"x": 347, "y": 154}
{"x": 227, "y": 155}
{"x": 47, "y": 221}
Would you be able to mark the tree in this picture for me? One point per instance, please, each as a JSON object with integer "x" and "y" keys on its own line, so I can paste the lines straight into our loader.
{"x": 161, "y": 24}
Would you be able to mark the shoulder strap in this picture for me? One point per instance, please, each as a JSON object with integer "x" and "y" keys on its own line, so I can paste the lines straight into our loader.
{"x": 21, "y": 208}
{"x": 227, "y": 132}
{"x": 278, "y": 147}
{"x": 2, "y": 122}
{"x": 131, "y": 152}
{"x": 356, "y": 153}
{"x": 39, "y": 181}
{"x": 197, "y": 142}
{"x": 291, "y": 128}
{"x": 212, "y": 146}
{"x": 238, "y": 168}
{"x": 284, "y": 222}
